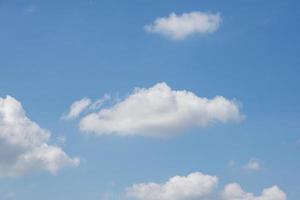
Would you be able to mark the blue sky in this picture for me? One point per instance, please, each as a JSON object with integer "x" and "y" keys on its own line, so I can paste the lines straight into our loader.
{"x": 54, "y": 53}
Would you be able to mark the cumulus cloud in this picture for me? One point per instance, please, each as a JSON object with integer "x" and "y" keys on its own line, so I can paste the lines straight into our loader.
{"x": 77, "y": 108}
{"x": 179, "y": 27}
{"x": 234, "y": 191}
{"x": 253, "y": 165}
{"x": 198, "y": 186}
{"x": 24, "y": 144}
{"x": 195, "y": 185}
{"x": 160, "y": 111}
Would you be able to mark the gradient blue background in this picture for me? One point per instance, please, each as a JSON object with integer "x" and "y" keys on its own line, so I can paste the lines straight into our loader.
{"x": 66, "y": 50}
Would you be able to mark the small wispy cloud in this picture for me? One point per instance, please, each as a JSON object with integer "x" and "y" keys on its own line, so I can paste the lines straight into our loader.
{"x": 231, "y": 163}
{"x": 61, "y": 139}
{"x": 253, "y": 165}
{"x": 98, "y": 103}
{"x": 31, "y": 9}
{"x": 10, "y": 196}
{"x": 85, "y": 104}
{"x": 77, "y": 108}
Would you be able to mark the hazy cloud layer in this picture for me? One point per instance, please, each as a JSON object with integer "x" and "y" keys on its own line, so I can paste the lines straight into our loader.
{"x": 160, "y": 111}
{"x": 179, "y": 27}
{"x": 24, "y": 144}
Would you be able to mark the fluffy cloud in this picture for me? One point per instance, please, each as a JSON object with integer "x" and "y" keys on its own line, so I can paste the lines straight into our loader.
{"x": 253, "y": 165}
{"x": 24, "y": 144}
{"x": 181, "y": 26}
{"x": 195, "y": 185}
{"x": 234, "y": 191}
{"x": 160, "y": 111}
{"x": 76, "y": 108}
{"x": 198, "y": 186}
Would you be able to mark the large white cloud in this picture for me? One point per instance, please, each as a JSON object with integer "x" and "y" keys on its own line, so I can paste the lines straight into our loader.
{"x": 195, "y": 185}
{"x": 198, "y": 186}
{"x": 181, "y": 26}
{"x": 160, "y": 111}
{"x": 24, "y": 144}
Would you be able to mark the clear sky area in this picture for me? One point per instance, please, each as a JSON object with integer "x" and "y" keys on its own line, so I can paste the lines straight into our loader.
{"x": 149, "y": 100}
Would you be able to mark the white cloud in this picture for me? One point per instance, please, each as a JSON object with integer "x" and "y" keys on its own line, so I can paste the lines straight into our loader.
{"x": 179, "y": 27}
{"x": 195, "y": 185}
{"x": 253, "y": 165}
{"x": 198, "y": 186}
{"x": 160, "y": 111}
{"x": 85, "y": 104}
{"x": 77, "y": 108}
{"x": 23, "y": 143}
{"x": 234, "y": 191}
